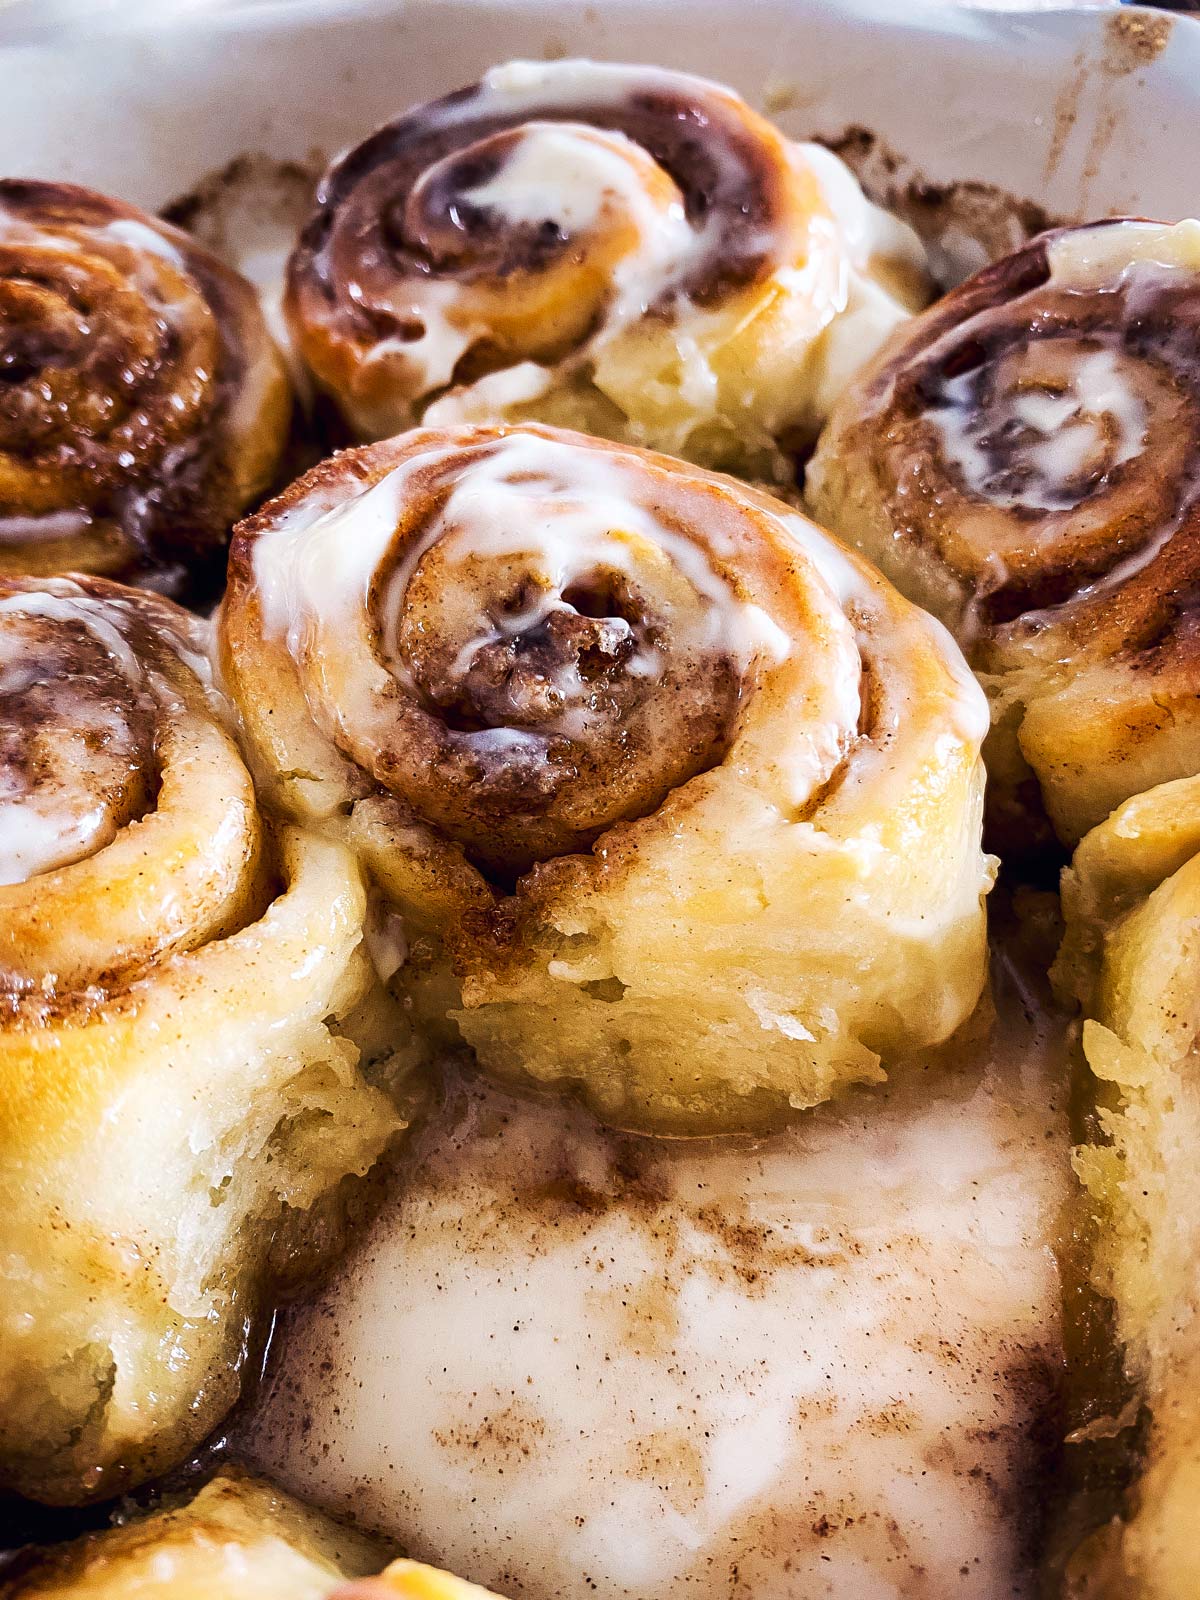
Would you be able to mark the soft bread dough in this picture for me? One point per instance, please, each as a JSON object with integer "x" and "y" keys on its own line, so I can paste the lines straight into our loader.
{"x": 1132, "y": 957}
{"x": 193, "y": 1049}
{"x": 1020, "y": 460}
{"x": 646, "y": 259}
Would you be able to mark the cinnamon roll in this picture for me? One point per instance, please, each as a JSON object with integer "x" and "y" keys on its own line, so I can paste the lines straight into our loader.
{"x": 620, "y": 249}
{"x": 1021, "y": 460}
{"x": 183, "y": 994}
{"x": 143, "y": 405}
{"x": 673, "y": 797}
{"x": 239, "y": 1539}
{"x": 1132, "y": 959}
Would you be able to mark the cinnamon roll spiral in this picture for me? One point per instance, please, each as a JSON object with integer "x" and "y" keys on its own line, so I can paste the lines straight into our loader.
{"x": 179, "y": 1079}
{"x": 1131, "y": 958}
{"x": 143, "y": 405}
{"x": 675, "y": 799}
{"x": 624, "y": 250}
{"x": 1022, "y": 460}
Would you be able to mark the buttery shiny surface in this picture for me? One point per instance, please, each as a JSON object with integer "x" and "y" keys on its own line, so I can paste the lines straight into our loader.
{"x": 1132, "y": 898}
{"x": 178, "y": 1083}
{"x": 1075, "y": 416}
{"x": 237, "y": 1538}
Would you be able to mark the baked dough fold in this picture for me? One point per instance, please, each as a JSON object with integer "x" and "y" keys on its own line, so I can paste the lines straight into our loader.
{"x": 237, "y": 1539}
{"x": 1132, "y": 959}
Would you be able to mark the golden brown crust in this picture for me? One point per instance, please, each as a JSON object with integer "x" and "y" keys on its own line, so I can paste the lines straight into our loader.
{"x": 411, "y": 1580}
{"x": 721, "y": 155}
{"x": 1132, "y": 960}
{"x": 1017, "y": 560}
{"x": 238, "y": 1538}
{"x": 142, "y": 404}
{"x": 1022, "y": 460}
{"x": 129, "y": 828}
{"x": 647, "y": 732}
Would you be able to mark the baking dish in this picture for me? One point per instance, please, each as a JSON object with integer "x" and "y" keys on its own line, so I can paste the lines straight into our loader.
{"x": 1070, "y": 108}
{"x": 1078, "y": 108}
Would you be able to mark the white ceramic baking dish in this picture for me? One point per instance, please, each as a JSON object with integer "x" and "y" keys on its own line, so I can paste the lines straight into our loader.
{"x": 1091, "y": 111}
{"x": 1087, "y": 111}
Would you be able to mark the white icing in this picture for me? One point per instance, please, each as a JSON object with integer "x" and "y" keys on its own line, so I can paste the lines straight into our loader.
{"x": 1072, "y": 424}
{"x": 140, "y": 236}
{"x": 1136, "y": 257}
{"x": 1104, "y": 255}
{"x": 632, "y": 1398}
{"x": 1071, "y": 428}
{"x": 16, "y": 230}
{"x": 569, "y": 174}
{"x": 859, "y": 600}
{"x": 46, "y": 827}
{"x": 495, "y": 395}
{"x": 563, "y": 512}
{"x": 574, "y": 176}
{"x": 39, "y": 529}
{"x": 43, "y": 827}
{"x": 127, "y": 233}
{"x": 865, "y": 230}
{"x": 513, "y": 85}
{"x": 566, "y": 514}
{"x": 866, "y": 320}
{"x": 60, "y": 601}
{"x": 429, "y": 304}
{"x": 37, "y": 834}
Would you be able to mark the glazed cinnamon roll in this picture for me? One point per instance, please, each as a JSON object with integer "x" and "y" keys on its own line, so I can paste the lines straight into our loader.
{"x": 624, "y": 250}
{"x": 675, "y": 799}
{"x": 1132, "y": 959}
{"x": 1022, "y": 461}
{"x": 181, "y": 992}
{"x": 239, "y": 1539}
{"x": 143, "y": 405}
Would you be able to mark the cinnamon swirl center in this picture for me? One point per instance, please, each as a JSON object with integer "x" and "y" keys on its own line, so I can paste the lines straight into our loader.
{"x": 76, "y": 735}
{"x": 1042, "y": 426}
{"x": 539, "y": 211}
{"x": 1041, "y": 433}
{"x": 520, "y": 639}
{"x": 128, "y": 825}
